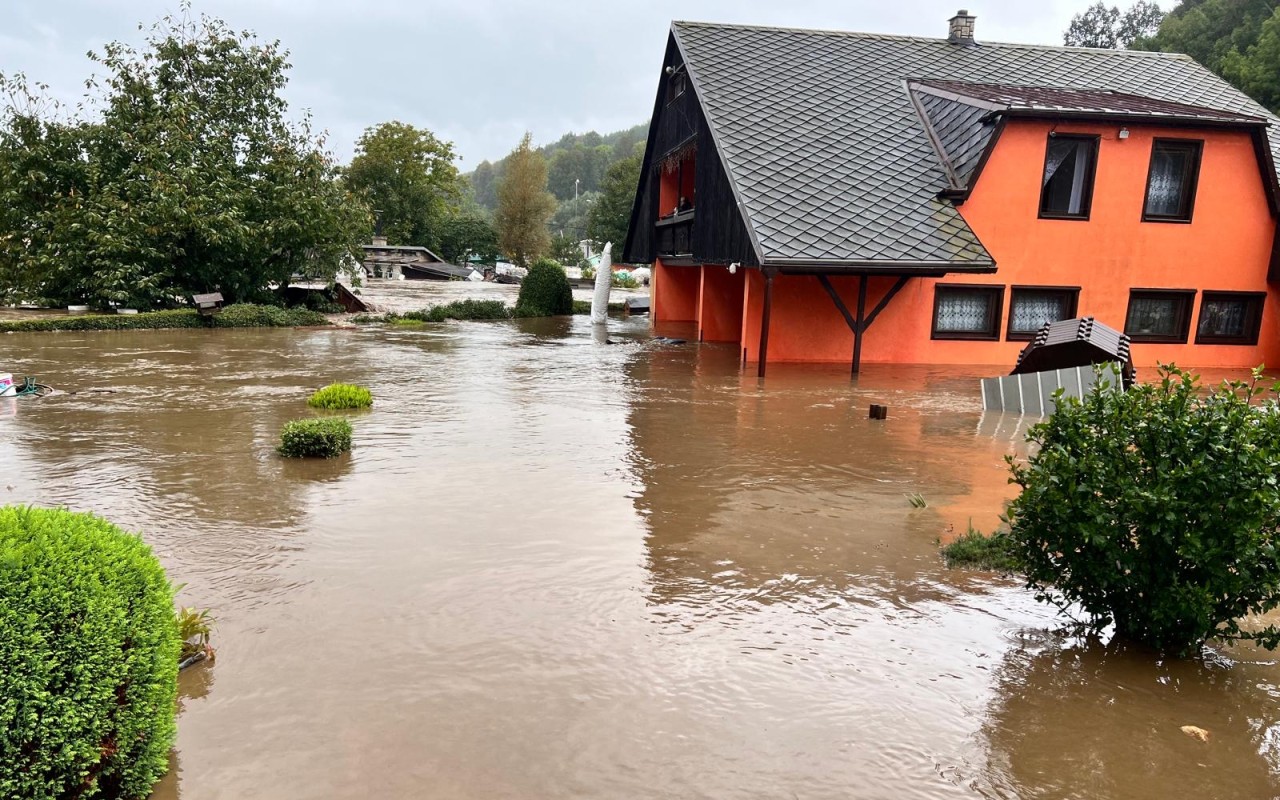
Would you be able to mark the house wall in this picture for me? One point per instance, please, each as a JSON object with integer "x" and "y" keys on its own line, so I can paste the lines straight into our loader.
{"x": 674, "y": 293}
{"x": 1225, "y": 247}
{"x": 720, "y": 307}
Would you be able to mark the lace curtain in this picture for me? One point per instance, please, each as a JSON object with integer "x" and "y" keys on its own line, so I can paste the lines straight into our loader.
{"x": 964, "y": 312}
{"x": 1031, "y": 310}
{"x": 1168, "y": 176}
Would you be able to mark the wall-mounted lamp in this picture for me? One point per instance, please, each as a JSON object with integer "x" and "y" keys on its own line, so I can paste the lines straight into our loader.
{"x": 670, "y": 70}
{"x": 1124, "y": 133}
{"x": 733, "y": 268}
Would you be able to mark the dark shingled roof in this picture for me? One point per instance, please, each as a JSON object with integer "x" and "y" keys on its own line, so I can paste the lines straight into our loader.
{"x": 1091, "y": 102}
{"x": 829, "y": 156}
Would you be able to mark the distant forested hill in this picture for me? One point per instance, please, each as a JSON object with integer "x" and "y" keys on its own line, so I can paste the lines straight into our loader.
{"x": 581, "y": 156}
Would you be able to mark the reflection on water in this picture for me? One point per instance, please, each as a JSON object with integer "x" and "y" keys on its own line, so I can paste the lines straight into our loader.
{"x": 555, "y": 567}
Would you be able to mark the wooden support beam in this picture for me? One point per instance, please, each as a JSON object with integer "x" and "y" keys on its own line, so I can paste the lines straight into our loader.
{"x": 861, "y": 327}
{"x": 835, "y": 298}
{"x": 764, "y": 320}
{"x": 884, "y": 301}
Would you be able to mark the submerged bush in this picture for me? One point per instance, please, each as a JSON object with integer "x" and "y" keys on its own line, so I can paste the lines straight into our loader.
{"x": 340, "y": 396}
{"x": 459, "y": 309}
{"x": 978, "y": 550}
{"x": 88, "y": 658}
{"x": 1156, "y": 510}
{"x": 545, "y": 291}
{"x": 315, "y": 438}
{"x": 243, "y": 315}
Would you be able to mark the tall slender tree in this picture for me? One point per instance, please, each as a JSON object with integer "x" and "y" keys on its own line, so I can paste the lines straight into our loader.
{"x": 524, "y": 205}
{"x": 611, "y": 215}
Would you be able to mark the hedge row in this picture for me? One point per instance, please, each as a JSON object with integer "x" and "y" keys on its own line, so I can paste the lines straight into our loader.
{"x": 244, "y": 315}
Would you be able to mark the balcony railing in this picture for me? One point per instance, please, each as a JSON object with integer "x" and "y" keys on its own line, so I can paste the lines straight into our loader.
{"x": 675, "y": 235}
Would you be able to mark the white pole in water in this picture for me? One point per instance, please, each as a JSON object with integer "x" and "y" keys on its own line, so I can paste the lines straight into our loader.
{"x": 604, "y": 276}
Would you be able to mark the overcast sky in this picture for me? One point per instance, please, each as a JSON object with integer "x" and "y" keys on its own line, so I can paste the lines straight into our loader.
{"x": 478, "y": 72}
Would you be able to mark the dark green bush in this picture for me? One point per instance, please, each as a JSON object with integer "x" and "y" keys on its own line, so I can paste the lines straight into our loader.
{"x": 341, "y": 396}
{"x": 459, "y": 309}
{"x": 545, "y": 291}
{"x": 88, "y": 658}
{"x": 315, "y": 438}
{"x": 1156, "y": 510}
{"x": 243, "y": 315}
{"x": 248, "y": 315}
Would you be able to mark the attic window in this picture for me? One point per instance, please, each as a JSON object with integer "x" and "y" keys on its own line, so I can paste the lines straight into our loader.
{"x": 1066, "y": 190}
{"x": 678, "y": 82}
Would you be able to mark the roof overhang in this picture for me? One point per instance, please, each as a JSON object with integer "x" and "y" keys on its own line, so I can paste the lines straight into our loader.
{"x": 878, "y": 267}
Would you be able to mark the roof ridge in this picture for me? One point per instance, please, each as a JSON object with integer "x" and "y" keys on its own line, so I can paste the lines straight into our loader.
{"x": 914, "y": 38}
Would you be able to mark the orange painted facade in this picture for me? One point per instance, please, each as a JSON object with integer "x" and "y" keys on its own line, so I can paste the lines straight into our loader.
{"x": 1225, "y": 247}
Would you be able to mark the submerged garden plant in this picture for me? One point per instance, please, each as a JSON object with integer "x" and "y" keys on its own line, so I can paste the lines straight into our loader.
{"x": 1156, "y": 510}
{"x": 315, "y": 438}
{"x": 545, "y": 291}
{"x": 341, "y": 396}
{"x": 89, "y": 652}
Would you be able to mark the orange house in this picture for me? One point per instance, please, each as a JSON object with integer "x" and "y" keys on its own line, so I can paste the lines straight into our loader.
{"x": 846, "y": 197}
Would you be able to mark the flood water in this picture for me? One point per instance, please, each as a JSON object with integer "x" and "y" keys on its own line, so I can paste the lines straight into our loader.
{"x": 556, "y": 568}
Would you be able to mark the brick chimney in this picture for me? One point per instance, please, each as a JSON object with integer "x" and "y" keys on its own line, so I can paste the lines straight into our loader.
{"x": 961, "y": 30}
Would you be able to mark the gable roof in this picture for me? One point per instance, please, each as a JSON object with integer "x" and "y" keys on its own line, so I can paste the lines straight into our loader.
{"x": 829, "y": 155}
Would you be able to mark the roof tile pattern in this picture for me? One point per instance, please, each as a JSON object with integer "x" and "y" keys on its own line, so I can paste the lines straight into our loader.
{"x": 963, "y": 131}
{"x": 829, "y": 156}
{"x": 1083, "y": 101}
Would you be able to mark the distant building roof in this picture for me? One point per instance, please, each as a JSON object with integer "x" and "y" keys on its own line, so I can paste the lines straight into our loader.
{"x": 829, "y": 156}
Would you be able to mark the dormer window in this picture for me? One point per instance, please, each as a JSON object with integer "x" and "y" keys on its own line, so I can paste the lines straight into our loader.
{"x": 1067, "y": 188}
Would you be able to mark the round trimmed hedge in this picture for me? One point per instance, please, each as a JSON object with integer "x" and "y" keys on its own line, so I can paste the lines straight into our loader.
{"x": 88, "y": 658}
{"x": 545, "y": 291}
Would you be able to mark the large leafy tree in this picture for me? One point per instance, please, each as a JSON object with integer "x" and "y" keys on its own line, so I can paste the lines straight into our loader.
{"x": 191, "y": 178}
{"x": 465, "y": 235}
{"x": 409, "y": 176}
{"x": 1100, "y": 26}
{"x": 611, "y": 215}
{"x": 524, "y": 205}
{"x": 1238, "y": 39}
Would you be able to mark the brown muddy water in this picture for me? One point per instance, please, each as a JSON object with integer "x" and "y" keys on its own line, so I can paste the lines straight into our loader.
{"x": 554, "y": 568}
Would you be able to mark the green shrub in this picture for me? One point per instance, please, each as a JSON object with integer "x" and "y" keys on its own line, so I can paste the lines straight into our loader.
{"x": 459, "y": 309}
{"x": 545, "y": 291}
{"x": 341, "y": 395}
{"x": 315, "y": 438}
{"x": 1156, "y": 510}
{"x": 88, "y": 658}
{"x": 624, "y": 281}
{"x": 584, "y": 307}
{"x": 243, "y": 315}
{"x": 248, "y": 315}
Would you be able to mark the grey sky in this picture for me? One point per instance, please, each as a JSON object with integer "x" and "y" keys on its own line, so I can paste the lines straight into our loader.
{"x": 478, "y": 72}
